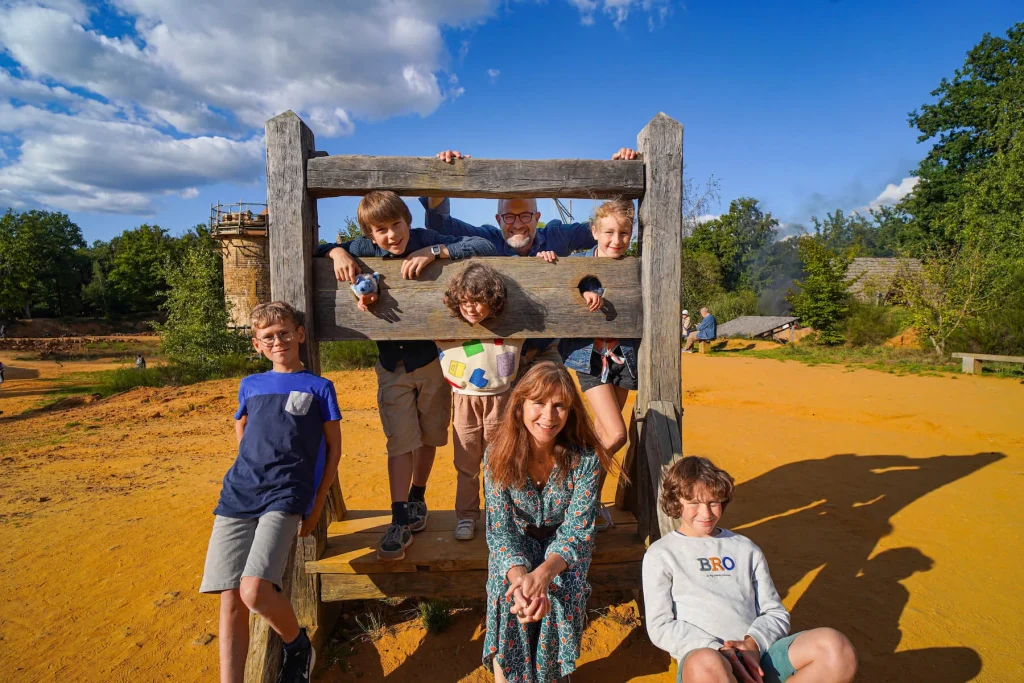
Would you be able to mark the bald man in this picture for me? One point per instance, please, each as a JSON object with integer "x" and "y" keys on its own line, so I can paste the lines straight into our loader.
{"x": 516, "y": 234}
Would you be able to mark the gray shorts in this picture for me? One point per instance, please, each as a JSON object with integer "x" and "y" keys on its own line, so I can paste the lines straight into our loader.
{"x": 248, "y": 547}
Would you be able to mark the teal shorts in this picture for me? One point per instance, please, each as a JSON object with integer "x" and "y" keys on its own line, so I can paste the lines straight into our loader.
{"x": 775, "y": 662}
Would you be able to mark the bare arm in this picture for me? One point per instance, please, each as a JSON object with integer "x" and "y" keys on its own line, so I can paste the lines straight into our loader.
{"x": 240, "y": 427}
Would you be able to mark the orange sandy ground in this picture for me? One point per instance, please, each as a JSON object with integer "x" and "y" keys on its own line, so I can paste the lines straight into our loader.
{"x": 888, "y": 507}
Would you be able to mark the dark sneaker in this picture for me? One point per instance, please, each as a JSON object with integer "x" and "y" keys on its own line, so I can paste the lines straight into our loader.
{"x": 394, "y": 542}
{"x": 296, "y": 667}
{"x": 417, "y": 516}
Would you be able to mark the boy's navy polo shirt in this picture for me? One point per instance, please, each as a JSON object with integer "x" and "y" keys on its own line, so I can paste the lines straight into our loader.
{"x": 282, "y": 454}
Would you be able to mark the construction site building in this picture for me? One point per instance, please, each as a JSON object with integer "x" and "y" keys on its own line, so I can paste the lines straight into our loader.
{"x": 241, "y": 230}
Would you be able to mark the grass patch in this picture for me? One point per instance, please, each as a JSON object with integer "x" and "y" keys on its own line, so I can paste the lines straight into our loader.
{"x": 900, "y": 361}
{"x": 374, "y": 623}
{"x": 436, "y": 615}
{"x": 347, "y": 355}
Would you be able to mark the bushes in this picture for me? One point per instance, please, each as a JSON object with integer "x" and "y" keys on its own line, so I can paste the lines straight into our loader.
{"x": 727, "y": 306}
{"x": 823, "y": 300}
{"x": 871, "y": 325}
{"x": 347, "y": 355}
{"x": 177, "y": 374}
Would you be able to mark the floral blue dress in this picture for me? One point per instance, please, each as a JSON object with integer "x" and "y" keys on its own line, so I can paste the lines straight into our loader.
{"x": 548, "y": 649}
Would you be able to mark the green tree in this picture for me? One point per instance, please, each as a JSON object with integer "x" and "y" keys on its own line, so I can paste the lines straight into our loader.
{"x": 739, "y": 240}
{"x": 823, "y": 300}
{"x": 40, "y": 265}
{"x": 861, "y": 234}
{"x": 976, "y": 122}
{"x": 135, "y": 276}
{"x": 196, "y": 333}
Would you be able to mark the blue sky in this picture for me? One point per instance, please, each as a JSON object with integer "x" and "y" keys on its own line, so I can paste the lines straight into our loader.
{"x": 802, "y": 105}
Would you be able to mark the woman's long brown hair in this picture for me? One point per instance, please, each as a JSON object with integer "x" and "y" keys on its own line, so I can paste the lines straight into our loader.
{"x": 509, "y": 452}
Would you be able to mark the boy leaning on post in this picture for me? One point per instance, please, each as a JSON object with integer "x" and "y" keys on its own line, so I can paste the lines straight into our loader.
{"x": 289, "y": 444}
{"x": 413, "y": 398}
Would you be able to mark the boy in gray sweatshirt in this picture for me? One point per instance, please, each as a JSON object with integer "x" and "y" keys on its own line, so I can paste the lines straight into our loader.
{"x": 711, "y": 603}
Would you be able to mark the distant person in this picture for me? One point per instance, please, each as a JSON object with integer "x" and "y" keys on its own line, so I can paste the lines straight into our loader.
{"x": 707, "y": 330}
{"x": 687, "y": 323}
{"x": 3, "y": 331}
{"x": 2, "y": 366}
{"x": 140, "y": 362}
{"x": 288, "y": 426}
{"x": 711, "y": 602}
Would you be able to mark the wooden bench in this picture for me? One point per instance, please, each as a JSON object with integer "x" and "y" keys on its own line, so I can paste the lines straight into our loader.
{"x": 972, "y": 361}
{"x": 704, "y": 346}
{"x": 338, "y": 562}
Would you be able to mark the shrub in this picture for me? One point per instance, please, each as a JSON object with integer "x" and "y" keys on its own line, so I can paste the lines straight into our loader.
{"x": 871, "y": 324}
{"x": 823, "y": 300}
{"x": 347, "y": 355}
{"x": 728, "y": 306}
{"x": 436, "y": 615}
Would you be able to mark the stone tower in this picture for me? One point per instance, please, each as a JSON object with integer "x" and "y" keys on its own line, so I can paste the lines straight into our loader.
{"x": 241, "y": 230}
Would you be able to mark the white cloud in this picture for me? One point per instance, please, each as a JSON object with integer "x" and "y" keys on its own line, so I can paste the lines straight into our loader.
{"x": 892, "y": 194}
{"x": 189, "y": 193}
{"x": 618, "y": 10}
{"x": 111, "y": 122}
{"x": 493, "y": 73}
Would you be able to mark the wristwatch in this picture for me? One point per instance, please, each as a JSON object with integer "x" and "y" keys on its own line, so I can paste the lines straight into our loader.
{"x": 436, "y": 250}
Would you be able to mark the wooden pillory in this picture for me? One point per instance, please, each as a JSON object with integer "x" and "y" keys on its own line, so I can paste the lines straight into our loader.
{"x": 338, "y": 562}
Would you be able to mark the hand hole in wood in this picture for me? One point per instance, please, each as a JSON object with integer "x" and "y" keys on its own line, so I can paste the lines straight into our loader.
{"x": 590, "y": 283}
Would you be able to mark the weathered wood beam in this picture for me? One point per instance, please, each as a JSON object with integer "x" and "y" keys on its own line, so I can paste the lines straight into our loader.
{"x": 543, "y": 301}
{"x": 293, "y": 223}
{"x": 663, "y": 446}
{"x": 661, "y": 231}
{"x": 463, "y": 584}
{"x": 335, "y": 176}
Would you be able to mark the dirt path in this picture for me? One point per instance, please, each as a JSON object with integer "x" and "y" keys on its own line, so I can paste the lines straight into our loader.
{"x": 887, "y": 506}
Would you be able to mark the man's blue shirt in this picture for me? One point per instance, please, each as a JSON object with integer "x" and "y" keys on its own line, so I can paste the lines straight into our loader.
{"x": 708, "y": 328}
{"x": 561, "y": 238}
{"x": 282, "y": 454}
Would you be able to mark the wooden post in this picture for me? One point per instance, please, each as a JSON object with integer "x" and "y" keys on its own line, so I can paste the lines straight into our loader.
{"x": 292, "y": 224}
{"x": 292, "y": 231}
{"x": 661, "y": 242}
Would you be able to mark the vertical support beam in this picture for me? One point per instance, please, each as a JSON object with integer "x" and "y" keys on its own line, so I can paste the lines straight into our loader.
{"x": 292, "y": 224}
{"x": 292, "y": 231}
{"x": 660, "y": 379}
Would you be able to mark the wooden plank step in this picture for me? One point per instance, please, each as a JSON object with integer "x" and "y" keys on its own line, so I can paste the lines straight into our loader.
{"x": 351, "y": 546}
{"x": 468, "y": 584}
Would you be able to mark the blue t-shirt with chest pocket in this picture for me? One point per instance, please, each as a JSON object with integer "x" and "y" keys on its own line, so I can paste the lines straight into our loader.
{"x": 282, "y": 453}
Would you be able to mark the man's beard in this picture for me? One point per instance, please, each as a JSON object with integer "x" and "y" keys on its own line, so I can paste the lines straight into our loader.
{"x": 518, "y": 241}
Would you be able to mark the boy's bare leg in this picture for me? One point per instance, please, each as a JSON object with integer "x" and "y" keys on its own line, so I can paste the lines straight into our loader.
{"x": 260, "y": 596}
{"x": 400, "y": 475}
{"x": 423, "y": 461}
{"x": 707, "y": 666}
{"x": 822, "y": 655}
{"x": 234, "y": 636}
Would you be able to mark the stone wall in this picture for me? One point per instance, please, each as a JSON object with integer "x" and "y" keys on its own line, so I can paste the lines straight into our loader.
{"x": 246, "y": 274}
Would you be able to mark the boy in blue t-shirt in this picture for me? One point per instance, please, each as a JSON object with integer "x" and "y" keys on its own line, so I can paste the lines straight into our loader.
{"x": 289, "y": 444}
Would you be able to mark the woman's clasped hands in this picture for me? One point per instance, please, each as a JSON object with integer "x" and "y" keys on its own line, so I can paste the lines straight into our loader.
{"x": 529, "y": 593}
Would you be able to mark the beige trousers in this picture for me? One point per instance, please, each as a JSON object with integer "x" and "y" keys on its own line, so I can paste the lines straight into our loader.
{"x": 474, "y": 422}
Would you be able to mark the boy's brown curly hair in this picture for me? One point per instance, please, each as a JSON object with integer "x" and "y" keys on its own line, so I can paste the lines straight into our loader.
{"x": 685, "y": 476}
{"x": 477, "y": 282}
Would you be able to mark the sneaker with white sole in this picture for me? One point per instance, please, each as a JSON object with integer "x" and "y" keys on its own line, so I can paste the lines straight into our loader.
{"x": 603, "y": 522}
{"x": 297, "y": 667}
{"x": 465, "y": 530}
{"x": 394, "y": 542}
{"x": 417, "y": 516}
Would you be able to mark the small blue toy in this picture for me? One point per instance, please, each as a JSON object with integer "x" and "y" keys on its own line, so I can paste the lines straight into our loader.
{"x": 365, "y": 289}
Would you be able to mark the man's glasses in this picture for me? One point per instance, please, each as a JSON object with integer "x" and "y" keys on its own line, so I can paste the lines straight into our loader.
{"x": 524, "y": 217}
{"x": 268, "y": 340}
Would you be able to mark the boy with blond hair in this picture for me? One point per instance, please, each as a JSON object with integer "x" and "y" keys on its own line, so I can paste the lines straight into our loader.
{"x": 711, "y": 602}
{"x": 289, "y": 444}
{"x": 413, "y": 398}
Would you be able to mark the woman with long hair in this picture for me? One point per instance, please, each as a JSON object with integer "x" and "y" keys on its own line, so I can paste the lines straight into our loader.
{"x": 541, "y": 476}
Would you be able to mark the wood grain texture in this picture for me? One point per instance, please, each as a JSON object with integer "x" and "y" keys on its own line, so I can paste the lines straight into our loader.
{"x": 663, "y": 446}
{"x": 438, "y": 551}
{"x": 335, "y": 176}
{"x": 466, "y": 584}
{"x": 625, "y": 491}
{"x": 543, "y": 301}
{"x": 377, "y": 521}
{"x": 293, "y": 224}
{"x": 264, "y": 658}
{"x": 661, "y": 224}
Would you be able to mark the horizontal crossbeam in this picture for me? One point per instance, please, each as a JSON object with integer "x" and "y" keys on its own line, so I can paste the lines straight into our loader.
{"x": 336, "y": 176}
{"x": 543, "y": 301}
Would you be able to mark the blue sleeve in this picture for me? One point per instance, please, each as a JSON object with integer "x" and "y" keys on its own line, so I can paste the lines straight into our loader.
{"x": 361, "y": 246}
{"x": 328, "y": 398}
{"x": 578, "y": 236}
{"x": 461, "y": 247}
{"x": 439, "y": 219}
{"x": 242, "y": 410}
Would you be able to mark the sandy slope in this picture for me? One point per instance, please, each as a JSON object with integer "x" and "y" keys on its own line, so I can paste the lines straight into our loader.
{"x": 887, "y": 506}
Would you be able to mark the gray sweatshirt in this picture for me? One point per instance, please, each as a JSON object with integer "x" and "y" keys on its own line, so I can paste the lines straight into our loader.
{"x": 701, "y": 591}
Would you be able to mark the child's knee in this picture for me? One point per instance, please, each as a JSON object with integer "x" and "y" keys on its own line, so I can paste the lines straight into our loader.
{"x": 231, "y": 601}
{"x": 706, "y": 666}
{"x": 616, "y": 439}
{"x": 255, "y": 592}
{"x": 835, "y": 651}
